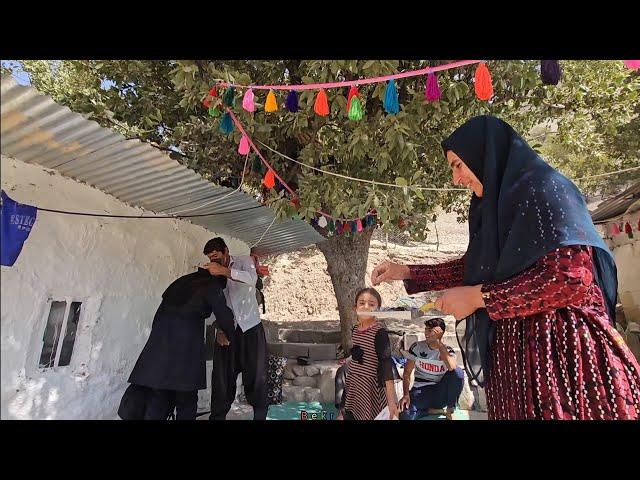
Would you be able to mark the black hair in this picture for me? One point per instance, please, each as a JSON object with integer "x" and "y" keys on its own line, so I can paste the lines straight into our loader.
{"x": 215, "y": 244}
{"x": 435, "y": 322}
{"x": 370, "y": 291}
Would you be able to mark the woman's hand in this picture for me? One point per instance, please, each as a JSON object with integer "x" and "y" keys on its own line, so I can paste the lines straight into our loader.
{"x": 461, "y": 301}
{"x": 389, "y": 271}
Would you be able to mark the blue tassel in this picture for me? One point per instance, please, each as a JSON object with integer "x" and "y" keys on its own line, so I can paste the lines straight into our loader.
{"x": 391, "y": 98}
{"x": 292, "y": 101}
{"x": 226, "y": 124}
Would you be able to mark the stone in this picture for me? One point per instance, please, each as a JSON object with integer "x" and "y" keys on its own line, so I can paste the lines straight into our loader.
{"x": 411, "y": 338}
{"x": 311, "y": 370}
{"x": 481, "y": 397}
{"x": 298, "y": 370}
{"x": 467, "y": 399}
{"x": 312, "y": 395}
{"x": 327, "y": 386}
{"x": 323, "y": 351}
{"x": 288, "y": 373}
{"x": 304, "y": 382}
{"x": 292, "y": 393}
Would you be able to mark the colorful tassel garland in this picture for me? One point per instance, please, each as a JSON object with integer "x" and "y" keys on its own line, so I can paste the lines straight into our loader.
{"x": 322, "y": 221}
{"x": 226, "y": 124}
{"x": 633, "y": 64}
{"x": 433, "y": 89}
{"x": 359, "y": 225}
{"x": 229, "y": 97}
{"x": 292, "y": 101}
{"x": 353, "y": 92}
{"x": 321, "y": 106}
{"x": 244, "y": 147}
{"x": 269, "y": 179}
{"x": 356, "y": 112}
{"x": 271, "y": 104}
{"x": 550, "y": 72}
{"x": 483, "y": 85}
{"x": 628, "y": 230}
{"x": 247, "y": 101}
{"x": 390, "y": 104}
{"x": 214, "y": 111}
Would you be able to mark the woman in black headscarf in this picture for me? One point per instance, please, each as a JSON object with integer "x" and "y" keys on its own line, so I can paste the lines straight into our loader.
{"x": 534, "y": 295}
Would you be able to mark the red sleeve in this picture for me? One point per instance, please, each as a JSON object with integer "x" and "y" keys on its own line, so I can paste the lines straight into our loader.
{"x": 559, "y": 279}
{"x": 427, "y": 278}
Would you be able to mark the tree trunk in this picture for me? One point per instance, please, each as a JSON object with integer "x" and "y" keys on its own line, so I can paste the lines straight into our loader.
{"x": 347, "y": 263}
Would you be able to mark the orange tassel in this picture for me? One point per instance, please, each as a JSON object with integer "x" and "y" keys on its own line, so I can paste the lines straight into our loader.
{"x": 269, "y": 179}
{"x": 321, "y": 106}
{"x": 483, "y": 85}
{"x": 271, "y": 105}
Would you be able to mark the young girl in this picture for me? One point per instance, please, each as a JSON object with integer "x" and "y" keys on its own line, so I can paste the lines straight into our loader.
{"x": 369, "y": 383}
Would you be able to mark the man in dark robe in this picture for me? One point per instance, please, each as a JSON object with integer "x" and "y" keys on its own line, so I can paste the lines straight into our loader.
{"x": 172, "y": 367}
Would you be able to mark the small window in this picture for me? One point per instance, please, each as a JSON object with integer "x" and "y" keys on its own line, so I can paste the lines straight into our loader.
{"x": 60, "y": 334}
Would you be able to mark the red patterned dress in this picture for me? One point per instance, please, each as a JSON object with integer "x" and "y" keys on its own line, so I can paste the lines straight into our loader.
{"x": 555, "y": 355}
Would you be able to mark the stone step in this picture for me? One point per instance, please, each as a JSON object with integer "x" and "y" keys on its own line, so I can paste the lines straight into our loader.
{"x": 315, "y": 351}
{"x": 295, "y": 335}
{"x": 294, "y": 393}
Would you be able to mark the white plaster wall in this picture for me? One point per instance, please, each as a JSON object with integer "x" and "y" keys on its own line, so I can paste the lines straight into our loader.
{"x": 118, "y": 268}
{"x": 627, "y": 254}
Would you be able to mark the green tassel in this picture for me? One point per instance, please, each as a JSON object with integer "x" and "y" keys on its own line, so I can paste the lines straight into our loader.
{"x": 332, "y": 227}
{"x": 356, "y": 111}
{"x": 257, "y": 166}
{"x": 214, "y": 112}
{"x": 229, "y": 98}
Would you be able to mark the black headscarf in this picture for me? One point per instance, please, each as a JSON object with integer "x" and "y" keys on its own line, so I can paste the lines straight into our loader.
{"x": 527, "y": 210}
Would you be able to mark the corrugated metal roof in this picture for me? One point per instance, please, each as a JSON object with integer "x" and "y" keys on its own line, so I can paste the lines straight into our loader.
{"x": 617, "y": 205}
{"x": 35, "y": 129}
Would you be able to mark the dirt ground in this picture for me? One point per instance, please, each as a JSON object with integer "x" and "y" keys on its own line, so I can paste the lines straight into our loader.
{"x": 299, "y": 288}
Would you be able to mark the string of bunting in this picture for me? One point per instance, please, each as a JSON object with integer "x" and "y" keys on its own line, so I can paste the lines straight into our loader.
{"x": 550, "y": 73}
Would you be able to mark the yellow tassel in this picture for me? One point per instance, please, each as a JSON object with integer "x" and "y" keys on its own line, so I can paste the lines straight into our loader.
{"x": 271, "y": 105}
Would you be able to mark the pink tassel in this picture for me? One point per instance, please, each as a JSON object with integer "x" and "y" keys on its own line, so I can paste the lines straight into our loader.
{"x": 433, "y": 89}
{"x": 633, "y": 64}
{"x": 247, "y": 102}
{"x": 615, "y": 229}
{"x": 359, "y": 225}
{"x": 244, "y": 148}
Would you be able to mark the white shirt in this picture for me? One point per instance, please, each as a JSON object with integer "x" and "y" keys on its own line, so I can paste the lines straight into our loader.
{"x": 429, "y": 369}
{"x": 240, "y": 292}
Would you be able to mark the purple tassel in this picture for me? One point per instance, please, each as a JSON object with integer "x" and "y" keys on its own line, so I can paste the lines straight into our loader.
{"x": 550, "y": 72}
{"x": 292, "y": 101}
{"x": 433, "y": 89}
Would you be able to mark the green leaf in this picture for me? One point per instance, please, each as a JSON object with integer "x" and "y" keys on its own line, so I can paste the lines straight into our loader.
{"x": 401, "y": 181}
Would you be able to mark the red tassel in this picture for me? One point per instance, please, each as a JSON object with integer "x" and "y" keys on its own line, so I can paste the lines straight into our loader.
{"x": 483, "y": 85}
{"x": 208, "y": 99}
{"x": 321, "y": 106}
{"x": 628, "y": 230}
{"x": 353, "y": 92}
{"x": 269, "y": 179}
